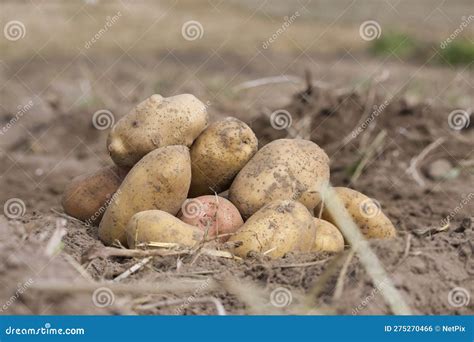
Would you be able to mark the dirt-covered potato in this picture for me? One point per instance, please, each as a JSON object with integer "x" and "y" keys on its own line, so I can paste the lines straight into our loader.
{"x": 156, "y": 122}
{"x": 279, "y": 227}
{"x": 365, "y": 211}
{"x": 160, "y": 180}
{"x": 293, "y": 169}
{"x": 160, "y": 226}
{"x": 328, "y": 237}
{"x": 218, "y": 154}
{"x": 87, "y": 196}
{"x": 214, "y": 214}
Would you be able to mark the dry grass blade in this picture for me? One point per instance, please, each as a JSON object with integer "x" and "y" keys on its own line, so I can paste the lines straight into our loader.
{"x": 368, "y": 154}
{"x": 342, "y": 276}
{"x": 367, "y": 257}
{"x": 413, "y": 168}
{"x": 132, "y": 269}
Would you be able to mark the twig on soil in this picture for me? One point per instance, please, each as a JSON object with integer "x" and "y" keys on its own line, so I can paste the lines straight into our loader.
{"x": 413, "y": 168}
{"x": 340, "y": 280}
{"x": 132, "y": 269}
{"x": 268, "y": 80}
{"x": 304, "y": 264}
{"x": 107, "y": 252}
{"x": 171, "y": 302}
{"x": 431, "y": 231}
{"x": 406, "y": 252}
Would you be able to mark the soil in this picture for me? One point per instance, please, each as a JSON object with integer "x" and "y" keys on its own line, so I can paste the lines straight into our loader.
{"x": 426, "y": 261}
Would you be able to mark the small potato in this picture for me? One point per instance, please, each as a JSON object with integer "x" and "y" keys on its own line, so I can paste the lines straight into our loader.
{"x": 160, "y": 180}
{"x": 156, "y": 122}
{"x": 87, "y": 196}
{"x": 218, "y": 154}
{"x": 279, "y": 227}
{"x": 366, "y": 213}
{"x": 159, "y": 226}
{"x": 213, "y": 214}
{"x": 283, "y": 169}
{"x": 328, "y": 237}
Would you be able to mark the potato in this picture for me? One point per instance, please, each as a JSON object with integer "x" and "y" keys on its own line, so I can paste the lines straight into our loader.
{"x": 156, "y": 122}
{"x": 87, "y": 196}
{"x": 159, "y": 226}
{"x": 328, "y": 237}
{"x": 218, "y": 154}
{"x": 160, "y": 180}
{"x": 213, "y": 214}
{"x": 284, "y": 169}
{"x": 279, "y": 227}
{"x": 366, "y": 213}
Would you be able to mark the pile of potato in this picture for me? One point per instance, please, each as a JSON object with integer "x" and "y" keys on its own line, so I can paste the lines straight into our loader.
{"x": 179, "y": 180}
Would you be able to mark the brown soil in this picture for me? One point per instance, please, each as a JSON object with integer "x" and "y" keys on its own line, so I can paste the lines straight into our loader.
{"x": 424, "y": 262}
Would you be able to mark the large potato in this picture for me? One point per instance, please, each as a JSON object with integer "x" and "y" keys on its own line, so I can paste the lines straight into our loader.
{"x": 284, "y": 169}
{"x": 87, "y": 196}
{"x": 365, "y": 211}
{"x": 159, "y": 226}
{"x": 156, "y": 122}
{"x": 214, "y": 214}
{"x": 218, "y": 154}
{"x": 160, "y": 180}
{"x": 328, "y": 237}
{"x": 279, "y": 227}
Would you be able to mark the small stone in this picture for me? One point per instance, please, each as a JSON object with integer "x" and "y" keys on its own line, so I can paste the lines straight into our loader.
{"x": 440, "y": 169}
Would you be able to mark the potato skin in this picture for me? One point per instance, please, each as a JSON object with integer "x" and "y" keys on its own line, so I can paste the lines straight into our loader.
{"x": 156, "y": 122}
{"x": 283, "y": 169}
{"x": 160, "y": 180}
{"x": 279, "y": 227}
{"x": 371, "y": 220}
{"x": 214, "y": 214}
{"x": 160, "y": 226}
{"x": 218, "y": 154}
{"x": 328, "y": 237}
{"x": 87, "y": 196}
